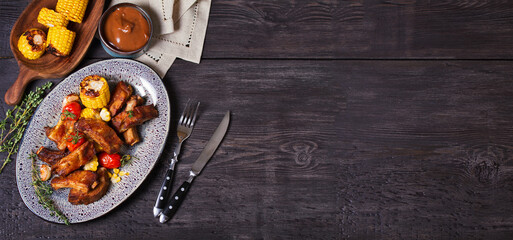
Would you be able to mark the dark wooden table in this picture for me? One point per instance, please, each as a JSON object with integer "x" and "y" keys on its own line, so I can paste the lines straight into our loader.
{"x": 350, "y": 120}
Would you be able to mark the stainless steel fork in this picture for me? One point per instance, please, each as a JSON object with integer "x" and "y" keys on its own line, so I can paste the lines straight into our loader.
{"x": 183, "y": 131}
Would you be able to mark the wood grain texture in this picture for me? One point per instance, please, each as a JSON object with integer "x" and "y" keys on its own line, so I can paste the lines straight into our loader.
{"x": 331, "y": 138}
{"x": 326, "y": 150}
{"x": 271, "y": 176}
{"x": 331, "y": 29}
{"x": 428, "y": 151}
{"x": 49, "y": 66}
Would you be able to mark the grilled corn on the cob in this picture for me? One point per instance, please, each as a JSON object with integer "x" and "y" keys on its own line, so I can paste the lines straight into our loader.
{"x": 73, "y": 9}
{"x": 50, "y": 18}
{"x": 32, "y": 43}
{"x": 60, "y": 41}
{"x": 94, "y": 92}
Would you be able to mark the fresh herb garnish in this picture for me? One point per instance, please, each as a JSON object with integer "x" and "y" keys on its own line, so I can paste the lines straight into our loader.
{"x": 130, "y": 114}
{"x": 16, "y": 120}
{"x": 44, "y": 192}
{"x": 74, "y": 137}
{"x": 68, "y": 114}
{"x": 127, "y": 159}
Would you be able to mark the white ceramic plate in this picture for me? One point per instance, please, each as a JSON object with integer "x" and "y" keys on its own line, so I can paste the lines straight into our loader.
{"x": 146, "y": 83}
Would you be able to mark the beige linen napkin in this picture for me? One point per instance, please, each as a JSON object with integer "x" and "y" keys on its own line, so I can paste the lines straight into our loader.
{"x": 177, "y": 33}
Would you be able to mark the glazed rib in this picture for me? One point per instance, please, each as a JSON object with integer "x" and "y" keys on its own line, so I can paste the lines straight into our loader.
{"x": 76, "y": 197}
{"x": 125, "y": 120}
{"x": 75, "y": 159}
{"x": 130, "y": 135}
{"x": 81, "y": 180}
{"x": 121, "y": 94}
{"x": 50, "y": 156}
{"x": 101, "y": 133}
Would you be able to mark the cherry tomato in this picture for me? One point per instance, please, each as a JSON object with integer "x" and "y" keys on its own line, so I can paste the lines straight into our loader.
{"x": 72, "y": 111}
{"x": 110, "y": 160}
{"x": 74, "y": 140}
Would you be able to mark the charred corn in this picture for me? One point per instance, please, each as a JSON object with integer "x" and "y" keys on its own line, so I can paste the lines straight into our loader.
{"x": 50, "y": 18}
{"x": 60, "y": 41}
{"x": 74, "y": 10}
{"x": 32, "y": 43}
{"x": 94, "y": 92}
{"x": 90, "y": 113}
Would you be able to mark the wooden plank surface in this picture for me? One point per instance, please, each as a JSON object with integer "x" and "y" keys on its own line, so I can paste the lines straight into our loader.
{"x": 427, "y": 150}
{"x": 339, "y": 129}
{"x": 271, "y": 175}
{"x": 334, "y": 29}
{"x": 326, "y": 150}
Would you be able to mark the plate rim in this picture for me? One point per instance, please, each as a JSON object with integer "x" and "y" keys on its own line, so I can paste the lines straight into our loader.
{"x": 114, "y": 206}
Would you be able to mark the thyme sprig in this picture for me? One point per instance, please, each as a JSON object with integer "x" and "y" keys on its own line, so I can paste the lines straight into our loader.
{"x": 74, "y": 137}
{"x": 68, "y": 114}
{"x": 127, "y": 159}
{"x": 44, "y": 191}
{"x": 13, "y": 125}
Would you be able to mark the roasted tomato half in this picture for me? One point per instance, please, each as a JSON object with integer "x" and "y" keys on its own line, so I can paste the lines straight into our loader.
{"x": 109, "y": 160}
{"x": 72, "y": 111}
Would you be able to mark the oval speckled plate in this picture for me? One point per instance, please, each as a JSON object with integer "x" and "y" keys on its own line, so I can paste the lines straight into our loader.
{"x": 153, "y": 133}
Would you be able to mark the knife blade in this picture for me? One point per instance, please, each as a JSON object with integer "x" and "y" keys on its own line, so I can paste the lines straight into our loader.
{"x": 176, "y": 200}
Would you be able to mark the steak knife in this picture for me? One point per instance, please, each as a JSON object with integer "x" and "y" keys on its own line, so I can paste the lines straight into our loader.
{"x": 178, "y": 197}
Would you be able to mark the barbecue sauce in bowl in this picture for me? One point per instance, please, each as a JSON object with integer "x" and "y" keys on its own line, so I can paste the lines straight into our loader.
{"x": 126, "y": 29}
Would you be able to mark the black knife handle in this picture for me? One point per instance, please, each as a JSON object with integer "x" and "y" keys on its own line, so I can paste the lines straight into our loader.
{"x": 176, "y": 200}
{"x": 165, "y": 189}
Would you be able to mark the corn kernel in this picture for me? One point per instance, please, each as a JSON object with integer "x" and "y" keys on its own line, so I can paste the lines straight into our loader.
{"x": 115, "y": 179}
{"x": 74, "y": 10}
{"x": 92, "y": 165}
{"x": 116, "y": 170}
{"x": 105, "y": 114}
{"x": 90, "y": 113}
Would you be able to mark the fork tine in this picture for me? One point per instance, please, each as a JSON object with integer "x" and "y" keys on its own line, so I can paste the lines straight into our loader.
{"x": 189, "y": 115}
{"x": 181, "y": 121}
{"x": 186, "y": 116}
{"x": 195, "y": 114}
